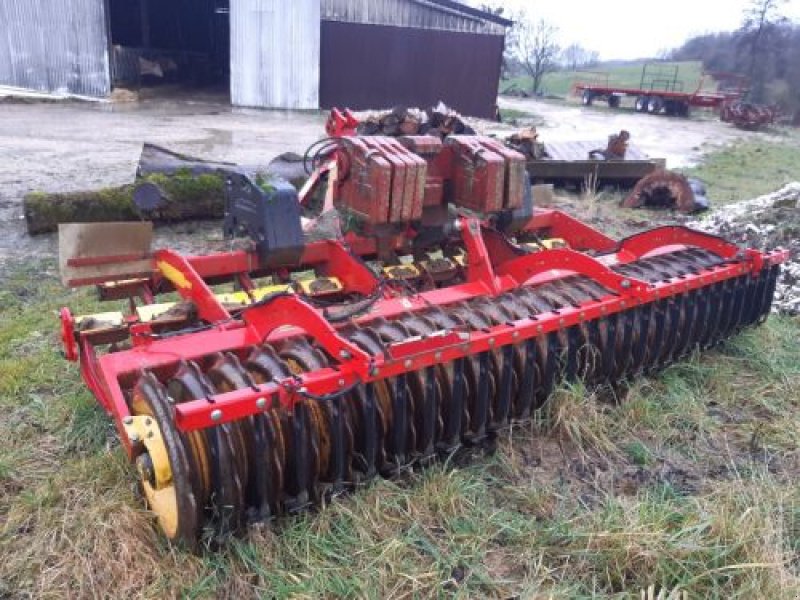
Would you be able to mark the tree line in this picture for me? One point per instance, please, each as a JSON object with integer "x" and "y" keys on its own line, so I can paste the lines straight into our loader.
{"x": 766, "y": 48}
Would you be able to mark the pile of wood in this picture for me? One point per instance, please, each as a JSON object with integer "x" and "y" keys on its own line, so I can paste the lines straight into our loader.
{"x": 169, "y": 187}
{"x": 440, "y": 121}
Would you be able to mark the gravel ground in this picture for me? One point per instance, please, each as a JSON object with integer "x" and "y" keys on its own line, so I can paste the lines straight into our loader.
{"x": 68, "y": 146}
{"x": 72, "y": 146}
{"x": 765, "y": 222}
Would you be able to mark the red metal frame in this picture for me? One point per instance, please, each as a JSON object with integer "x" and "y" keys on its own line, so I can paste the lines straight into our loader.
{"x": 697, "y": 98}
{"x": 390, "y": 181}
{"x": 490, "y": 272}
{"x": 341, "y": 122}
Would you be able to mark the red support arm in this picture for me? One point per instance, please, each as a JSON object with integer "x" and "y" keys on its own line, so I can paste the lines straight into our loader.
{"x": 291, "y": 311}
{"x": 524, "y": 268}
{"x": 479, "y": 267}
{"x": 640, "y": 244}
{"x": 190, "y": 285}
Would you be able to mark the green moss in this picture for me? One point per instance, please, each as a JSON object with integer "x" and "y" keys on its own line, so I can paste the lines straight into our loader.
{"x": 193, "y": 197}
{"x": 264, "y": 181}
{"x": 43, "y": 212}
{"x": 188, "y": 197}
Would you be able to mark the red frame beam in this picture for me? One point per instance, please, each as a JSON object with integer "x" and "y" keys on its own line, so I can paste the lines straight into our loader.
{"x": 284, "y": 316}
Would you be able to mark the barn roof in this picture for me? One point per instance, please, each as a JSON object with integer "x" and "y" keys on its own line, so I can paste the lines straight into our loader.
{"x": 475, "y": 12}
{"x": 447, "y": 15}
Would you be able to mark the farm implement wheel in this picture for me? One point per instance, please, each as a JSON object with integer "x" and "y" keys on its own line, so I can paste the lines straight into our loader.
{"x": 655, "y": 105}
{"x": 218, "y": 453}
{"x": 168, "y": 478}
{"x": 208, "y": 483}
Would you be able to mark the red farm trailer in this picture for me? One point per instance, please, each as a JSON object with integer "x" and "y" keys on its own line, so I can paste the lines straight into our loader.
{"x": 661, "y": 91}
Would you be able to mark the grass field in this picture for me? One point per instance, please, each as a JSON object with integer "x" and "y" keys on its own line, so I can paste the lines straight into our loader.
{"x": 750, "y": 169}
{"x": 686, "y": 481}
{"x": 560, "y": 83}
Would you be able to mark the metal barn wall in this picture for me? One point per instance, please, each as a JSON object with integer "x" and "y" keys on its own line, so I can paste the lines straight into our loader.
{"x": 58, "y": 46}
{"x": 275, "y": 53}
{"x": 370, "y": 67}
{"x": 408, "y": 13}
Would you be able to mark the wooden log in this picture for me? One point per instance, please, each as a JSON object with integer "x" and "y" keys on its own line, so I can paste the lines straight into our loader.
{"x": 186, "y": 197}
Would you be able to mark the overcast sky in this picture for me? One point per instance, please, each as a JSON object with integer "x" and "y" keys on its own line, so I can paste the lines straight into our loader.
{"x": 638, "y": 28}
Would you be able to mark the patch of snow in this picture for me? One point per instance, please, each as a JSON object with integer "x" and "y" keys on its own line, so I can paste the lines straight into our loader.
{"x": 767, "y": 222}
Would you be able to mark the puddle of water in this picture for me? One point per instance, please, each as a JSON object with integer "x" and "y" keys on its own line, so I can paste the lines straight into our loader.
{"x": 216, "y": 138}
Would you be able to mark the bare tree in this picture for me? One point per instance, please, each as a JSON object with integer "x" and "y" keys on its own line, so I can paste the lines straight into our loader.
{"x": 573, "y": 56}
{"x": 577, "y": 57}
{"x": 762, "y": 20}
{"x": 536, "y": 48}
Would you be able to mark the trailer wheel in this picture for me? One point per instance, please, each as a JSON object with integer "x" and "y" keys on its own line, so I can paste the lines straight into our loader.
{"x": 641, "y": 103}
{"x": 682, "y": 109}
{"x": 588, "y": 97}
{"x": 670, "y": 108}
{"x": 654, "y": 105}
{"x": 613, "y": 101}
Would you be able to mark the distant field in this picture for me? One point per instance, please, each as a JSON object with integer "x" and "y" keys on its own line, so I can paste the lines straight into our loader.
{"x": 627, "y": 75}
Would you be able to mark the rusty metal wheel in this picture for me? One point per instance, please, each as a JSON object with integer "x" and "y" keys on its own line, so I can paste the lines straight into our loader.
{"x": 330, "y": 428}
{"x": 213, "y": 449}
{"x": 264, "y": 365}
{"x": 404, "y": 393}
{"x": 166, "y": 473}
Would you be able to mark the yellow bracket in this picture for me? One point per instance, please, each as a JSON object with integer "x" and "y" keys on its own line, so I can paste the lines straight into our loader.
{"x": 144, "y": 430}
{"x": 401, "y": 272}
{"x": 175, "y": 276}
{"x": 243, "y": 299}
{"x": 548, "y": 244}
{"x": 263, "y": 292}
{"x": 150, "y": 312}
{"x": 427, "y": 264}
{"x": 553, "y": 243}
{"x": 99, "y": 322}
{"x": 320, "y": 286}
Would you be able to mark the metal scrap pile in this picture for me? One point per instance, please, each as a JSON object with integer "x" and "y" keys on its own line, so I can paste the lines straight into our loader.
{"x": 668, "y": 190}
{"x": 439, "y": 120}
{"x": 526, "y": 142}
{"x": 615, "y": 149}
{"x": 767, "y": 221}
{"x": 747, "y": 115}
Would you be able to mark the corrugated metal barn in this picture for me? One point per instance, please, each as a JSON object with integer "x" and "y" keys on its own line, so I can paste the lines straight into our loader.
{"x": 377, "y": 53}
{"x": 301, "y": 54}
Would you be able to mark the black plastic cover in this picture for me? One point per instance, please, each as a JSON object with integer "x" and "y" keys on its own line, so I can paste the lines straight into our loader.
{"x": 268, "y": 213}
